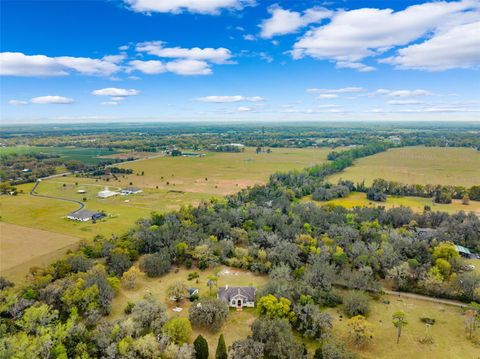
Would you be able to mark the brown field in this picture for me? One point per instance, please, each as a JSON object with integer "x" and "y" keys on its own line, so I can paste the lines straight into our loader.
{"x": 23, "y": 247}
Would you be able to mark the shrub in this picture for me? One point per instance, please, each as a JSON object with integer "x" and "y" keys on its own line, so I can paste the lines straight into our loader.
{"x": 129, "y": 307}
{"x": 156, "y": 264}
{"x": 178, "y": 330}
{"x": 356, "y": 303}
{"x": 208, "y": 313}
{"x": 427, "y": 320}
{"x": 201, "y": 348}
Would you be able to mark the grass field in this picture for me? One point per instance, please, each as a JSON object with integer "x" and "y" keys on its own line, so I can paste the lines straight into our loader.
{"x": 238, "y": 323}
{"x": 359, "y": 199}
{"x": 23, "y": 247}
{"x": 450, "y": 339}
{"x": 225, "y": 172}
{"x": 422, "y": 165}
{"x": 85, "y": 155}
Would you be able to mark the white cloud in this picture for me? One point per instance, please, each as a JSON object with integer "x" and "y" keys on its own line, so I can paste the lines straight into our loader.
{"x": 19, "y": 64}
{"x": 249, "y": 37}
{"x": 189, "y": 67}
{"x": 458, "y": 47}
{"x": 151, "y": 67}
{"x": 115, "y": 92}
{"x": 327, "y": 95}
{"x": 18, "y": 102}
{"x": 244, "y": 109}
{"x": 58, "y": 100}
{"x": 405, "y": 93}
{"x": 354, "y": 66}
{"x": 109, "y": 103}
{"x": 219, "y": 55}
{"x": 229, "y": 99}
{"x": 124, "y": 47}
{"x": 194, "y": 6}
{"x": 284, "y": 21}
{"x": 354, "y": 35}
{"x": 339, "y": 90}
{"x": 404, "y": 102}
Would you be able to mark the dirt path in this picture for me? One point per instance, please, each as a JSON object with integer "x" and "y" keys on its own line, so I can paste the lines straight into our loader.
{"x": 429, "y": 299}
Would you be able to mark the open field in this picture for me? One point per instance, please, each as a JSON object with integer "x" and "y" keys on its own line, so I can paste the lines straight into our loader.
{"x": 238, "y": 323}
{"x": 85, "y": 155}
{"x": 23, "y": 247}
{"x": 450, "y": 339}
{"x": 422, "y": 165}
{"x": 225, "y": 172}
{"x": 359, "y": 199}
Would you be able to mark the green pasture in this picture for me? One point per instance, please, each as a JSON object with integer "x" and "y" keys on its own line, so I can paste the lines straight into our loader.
{"x": 422, "y": 165}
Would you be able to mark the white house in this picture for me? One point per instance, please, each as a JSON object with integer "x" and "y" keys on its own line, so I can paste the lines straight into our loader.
{"x": 83, "y": 215}
{"x": 237, "y": 297}
{"x": 106, "y": 193}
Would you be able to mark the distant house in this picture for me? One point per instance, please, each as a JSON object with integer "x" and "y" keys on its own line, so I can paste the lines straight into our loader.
{"x": 26, "y": 170}
{"x": 106, "y": 193}
{"x": 84, "y": 215}
{"x": 192, "y": 292}
{"x": 464, "y": 251}
{"x": 237, "y": 297}
{"x": 82, "y": 191}
{"x": 130, "y": 190}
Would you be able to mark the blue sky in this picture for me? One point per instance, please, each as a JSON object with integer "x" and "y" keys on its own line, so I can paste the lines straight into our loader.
{"x": 239, "y": 60}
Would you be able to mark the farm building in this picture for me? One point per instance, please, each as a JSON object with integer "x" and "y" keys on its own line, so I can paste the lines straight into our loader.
{"x": 237, "y": 297}
{"x": 130, "y": 190}
{"x": 464, "y": 252}
{"x": 84, "y": 215}
{"x": 82, "y": 191}
{"x": 106, "y": 193}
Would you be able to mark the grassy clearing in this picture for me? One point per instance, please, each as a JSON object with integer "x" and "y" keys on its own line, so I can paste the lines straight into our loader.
{"x": 85, "y": 155}
{"x": 417, "y": 204}
{"x": 219, "y": 173}
{"x": 22, "y": 248}
{"x": 238, "y": 323}
{"x": 450, "y": 339}
{"x": 422, "y": 165}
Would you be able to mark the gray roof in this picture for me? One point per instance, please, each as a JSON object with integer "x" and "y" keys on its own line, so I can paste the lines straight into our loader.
{"x": 84, "y": 214}
{"x": 226, "y": 293}
{"x": 131, "y": 189}
{"x": 462, "y": 249}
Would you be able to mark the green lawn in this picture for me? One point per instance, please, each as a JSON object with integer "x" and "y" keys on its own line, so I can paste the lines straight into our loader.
{"x": 422, "y": 165}
{"x": 450, "y": 339}
{"x": 85, "y": 155}
{"x": 359, "y": 199}
{"x": 238, "y": 323}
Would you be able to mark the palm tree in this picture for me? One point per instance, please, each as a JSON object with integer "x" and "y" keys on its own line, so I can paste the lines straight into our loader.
{"x": 399, "y": 320}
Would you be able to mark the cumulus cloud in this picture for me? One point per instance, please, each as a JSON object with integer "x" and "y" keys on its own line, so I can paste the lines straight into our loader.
{"x": 229, "y": 99}
{"x": 18, "y": 102}
{"x": 212, "y": 7}
{"x": 339, "y": 90}
{"x": 353, "y": 35}
{"x": 458, "y": 47}
{"x": 284, "y": 21}
{"x": 57, "y": 100}
{"x": 404, "y": 102}
{"x": 19, "y": 64}
{"x": 219, "y": 55}
{"x": 327, "y": 95}
{"x": 189, "y": 67}
{"x": 115, "y": 92}
{"x": 244, "y": 109}
{"x": 151, "y": 67}
{"x": 404, "y": 93}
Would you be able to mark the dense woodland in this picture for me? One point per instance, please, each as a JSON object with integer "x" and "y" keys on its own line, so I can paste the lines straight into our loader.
{"x": 311, "y": 254}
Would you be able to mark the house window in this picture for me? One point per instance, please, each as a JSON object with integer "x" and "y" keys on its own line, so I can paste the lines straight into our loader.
{"x": 233, "y": 301}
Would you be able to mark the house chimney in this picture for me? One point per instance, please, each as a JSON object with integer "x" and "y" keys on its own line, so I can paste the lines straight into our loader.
{"x": 226, "y": 287}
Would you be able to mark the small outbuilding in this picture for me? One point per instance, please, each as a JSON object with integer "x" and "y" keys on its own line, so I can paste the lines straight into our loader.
{"x": 106, "y": 193}
{"x": 464, "y": 251}
{"x": 192, "y": 292}
{"x": 130, "y": 190}
{"x": 237, "y": 297}
{"x": 84, "y": 215}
